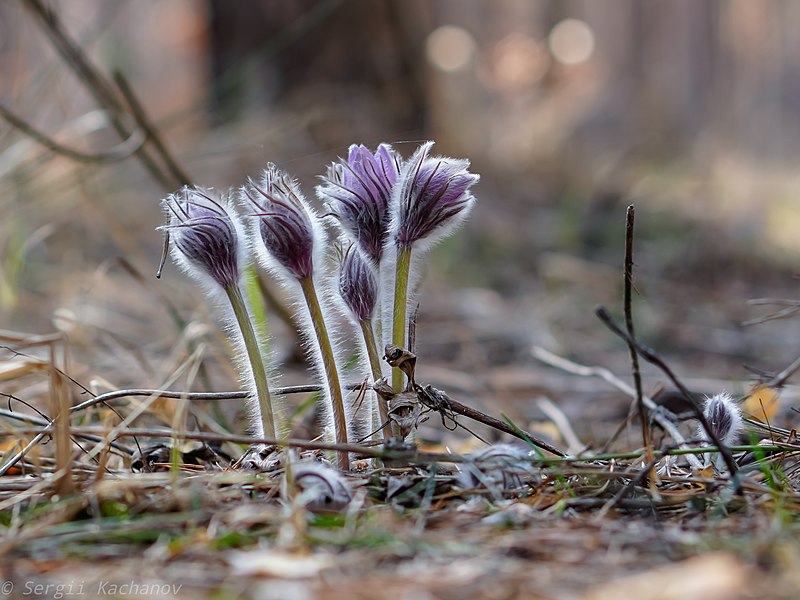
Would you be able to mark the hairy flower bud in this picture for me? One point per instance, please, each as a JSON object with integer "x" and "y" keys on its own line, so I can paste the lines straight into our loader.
{"x": 358, "y": 192}
{"x": 725, "y": 418}
{"x": 432, "y": 197}
{"x": 358, "y": 285}
{"x": 285, "y": 221}
{"x": 205, "y": 235}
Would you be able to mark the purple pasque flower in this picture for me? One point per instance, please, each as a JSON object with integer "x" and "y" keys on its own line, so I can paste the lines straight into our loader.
{"x": 286, "y": 224}
{"x": 205, "y": 234}
{"x": 432, "y": 197}
{"x": 358, "y": 193}
{"x": 358, "y": 285}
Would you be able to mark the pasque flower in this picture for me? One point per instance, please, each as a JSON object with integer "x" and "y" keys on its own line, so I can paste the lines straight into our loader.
{"x": 292, "y": 240}
{"x": 358, "y": 287}
{"x": 358, "y": 193}
{"x": 208, "y": 243}
{"x": 206, "y": 236}
{"x": 286, "y": 224}
{"x": 431, "y": 198}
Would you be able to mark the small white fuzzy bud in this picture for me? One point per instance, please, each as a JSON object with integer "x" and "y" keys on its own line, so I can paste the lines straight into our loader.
{"x": 725, "y": 419}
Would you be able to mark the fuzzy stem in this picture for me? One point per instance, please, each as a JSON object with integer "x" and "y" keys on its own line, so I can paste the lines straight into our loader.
{"x": 375, "y": 364}
{"x": 254, "y": 356}
{"x": 403, "y": 266}
{"x": 329, "y": 364}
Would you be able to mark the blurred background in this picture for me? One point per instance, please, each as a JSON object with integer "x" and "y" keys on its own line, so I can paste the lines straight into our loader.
{"x": 569, "y": 110}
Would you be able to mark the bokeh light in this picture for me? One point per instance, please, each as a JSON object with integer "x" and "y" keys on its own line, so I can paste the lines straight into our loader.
{"x": 571, "y": 42}
{"x": 518, "y": 62}
{"x": 450, "y": 48}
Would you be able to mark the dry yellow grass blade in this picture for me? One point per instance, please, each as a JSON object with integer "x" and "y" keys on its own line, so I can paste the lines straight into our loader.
{"x": 18, "y": 367}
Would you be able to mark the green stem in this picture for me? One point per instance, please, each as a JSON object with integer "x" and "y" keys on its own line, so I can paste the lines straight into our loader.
{"x": 375, "y": 364}
{"x": 254, "y": 356}
{"x": 403, "y": 266}
{"x": 258, "y": 309}
{"x": 329, "y": 364}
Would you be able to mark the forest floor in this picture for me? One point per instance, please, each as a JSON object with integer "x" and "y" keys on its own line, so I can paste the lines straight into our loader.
{"x": 594, "y": 526}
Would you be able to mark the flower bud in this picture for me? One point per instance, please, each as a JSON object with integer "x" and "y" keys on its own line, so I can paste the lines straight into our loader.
{"x": 725, "y": 418}
{"x": 358, "y": 193}
{"x": 358, "y": 285}
{"x": 432, "y": 198}
{"x": 286, "y": 223}
{"x": 205, "y": 235}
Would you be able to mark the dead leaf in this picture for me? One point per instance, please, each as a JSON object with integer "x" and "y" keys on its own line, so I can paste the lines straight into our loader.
{"x": 762, "y": 403}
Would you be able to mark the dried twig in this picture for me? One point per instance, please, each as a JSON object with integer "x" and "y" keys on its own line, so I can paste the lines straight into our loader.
{"x": 627, "y": 285}
{"x": 143, "y": 121}
{"x": 476, "y": 415}
{"x": 557, "y": 416}
{"x": 780, "y": 379}
{"x": 115, "y": 154}
{"x": 792, "y": 307}
{"x": 658, "y": 413}
{"x": 95, "y": 82}
{"x": 10, "y": 414}
{"x": 650, "y": 356}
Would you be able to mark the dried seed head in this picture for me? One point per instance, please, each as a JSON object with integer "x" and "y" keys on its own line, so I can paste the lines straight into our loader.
{"x": 358, "y": 285}
{"x": 725, "y": 418}
{"x": 286, "y": 224}
{"x": 205, "y": 233}
{"x": 497, "y": 468}
{"x": 358, "y": 193}
{"x": 432, "y": 197}
{"x": 322, "y": 488}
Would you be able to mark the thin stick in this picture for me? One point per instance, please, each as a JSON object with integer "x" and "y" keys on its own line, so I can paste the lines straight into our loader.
{"x": 560, "y": 420}
{"x": 658, "y": 413}
{"x": 117, "y": 153}
{"x": 153, "y": 136}
{"x": 199, "y": 396}
{"x": 95, "y": 83}
{"x": 650, "y": 356}
{"x": 8, "y": 414}
{"x": 476, "y": 415}
{"x": 637, "y": 375}
{"x": 781, "y": 378}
